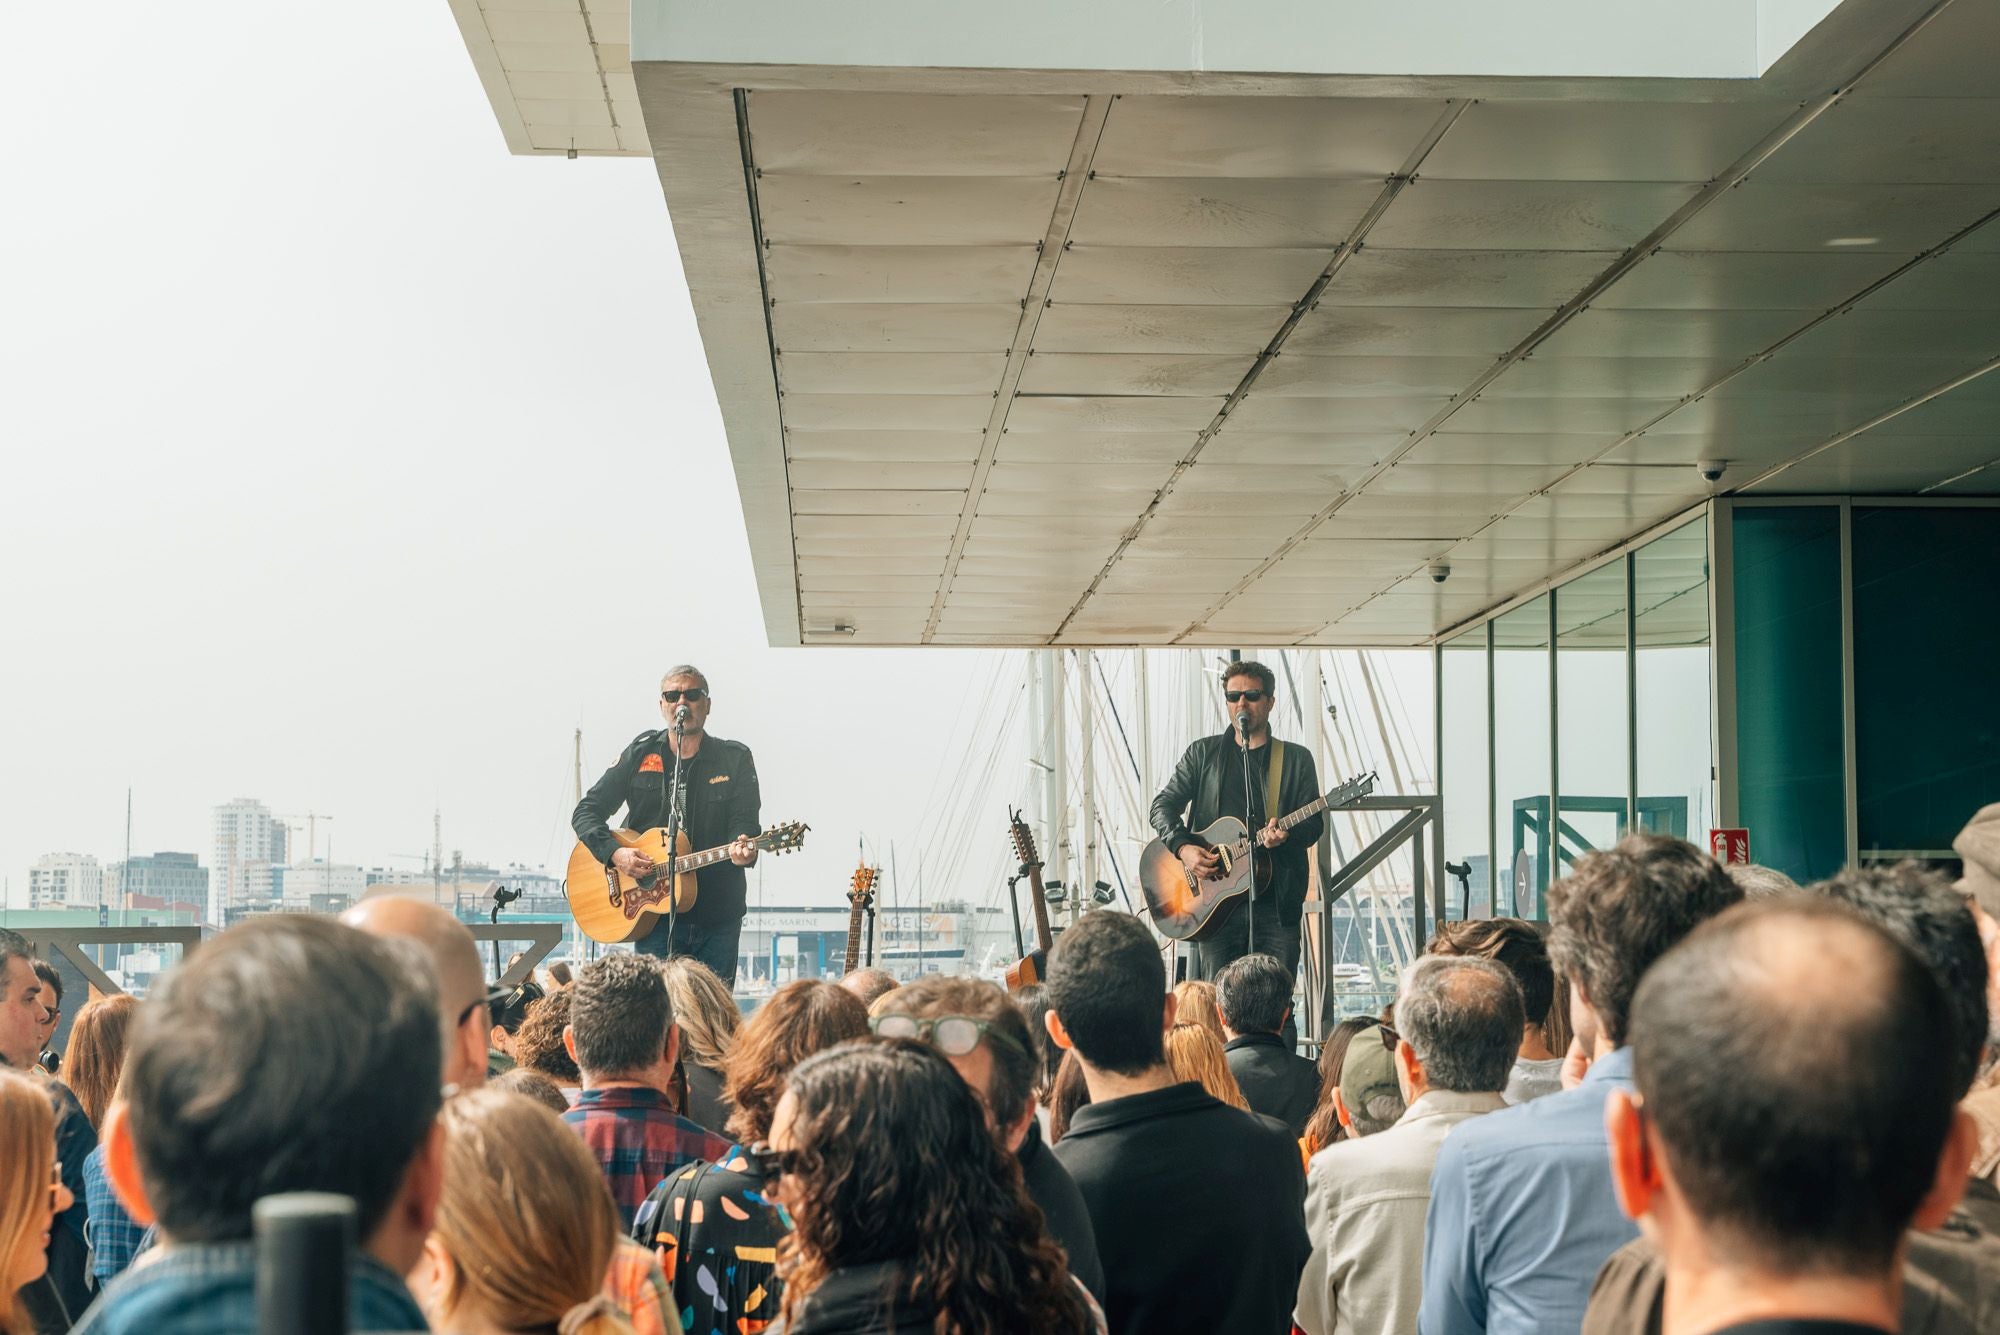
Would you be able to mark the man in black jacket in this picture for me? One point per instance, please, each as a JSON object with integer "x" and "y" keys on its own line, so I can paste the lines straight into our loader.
{"x": 1255, "y": 997}
{"x": 1208, "y": 785}
{"x": 720, "y": 802}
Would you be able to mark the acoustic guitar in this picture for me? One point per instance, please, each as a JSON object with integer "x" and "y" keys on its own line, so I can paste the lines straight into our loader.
{"x": 860, "y": 900}
{"x": 1034, "y": 966}
{"x": 1191, "y": 908}
{"x": 610, "y": 906}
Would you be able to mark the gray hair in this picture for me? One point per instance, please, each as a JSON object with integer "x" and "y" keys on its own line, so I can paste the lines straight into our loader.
{"x": 1463, "y": 1017}
{"x": 686, "y": 670}
{"x": 1758, "y": 882}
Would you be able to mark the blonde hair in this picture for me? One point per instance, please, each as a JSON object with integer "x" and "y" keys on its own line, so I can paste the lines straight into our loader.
{"x": 1195, "y": 1003}
{"x": 704, "y": 1010}
{"x": 27, "y": 1149}
{"x": 526, "y": 1217}
{"x": 1195, "y": 1054}
{"x": 97, "y": 1053}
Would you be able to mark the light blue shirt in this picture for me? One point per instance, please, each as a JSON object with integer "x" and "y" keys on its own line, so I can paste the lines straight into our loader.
{"x": 1523, "y": 1215}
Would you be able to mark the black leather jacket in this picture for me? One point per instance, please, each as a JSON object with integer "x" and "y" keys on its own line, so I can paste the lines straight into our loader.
{"x": 1193, "y": 798}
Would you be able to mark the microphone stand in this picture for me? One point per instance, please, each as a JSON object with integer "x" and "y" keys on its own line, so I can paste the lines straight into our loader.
{"x": 676, "y": 817}
{"x": 1249, "y": 823}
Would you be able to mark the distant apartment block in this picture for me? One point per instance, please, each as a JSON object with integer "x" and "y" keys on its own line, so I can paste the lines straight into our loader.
{"x": 250, "y": 845}
{"x": 65, "y": 880}
{"x": 163, "y": 878}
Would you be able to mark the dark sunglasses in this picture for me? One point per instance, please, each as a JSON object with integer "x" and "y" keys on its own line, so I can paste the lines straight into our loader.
{"x": 695, "y": 695}
{"x": 1252, "y": 696}
{"x": 1390, "y": 1038}
{"x": 770, "y": 1164}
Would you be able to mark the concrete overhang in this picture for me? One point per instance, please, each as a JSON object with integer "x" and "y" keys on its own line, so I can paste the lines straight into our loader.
{"x": 1208, "y": 324}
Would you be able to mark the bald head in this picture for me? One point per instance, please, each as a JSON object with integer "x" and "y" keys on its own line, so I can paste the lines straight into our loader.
{"x": 871, "y": 985}
{"x": 461, "y": 981}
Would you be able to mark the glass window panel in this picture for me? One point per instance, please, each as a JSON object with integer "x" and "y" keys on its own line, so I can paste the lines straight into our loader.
{"x": 1591, "y": 712}
{"x": 1791, "y": 765}
{"x": 1926, "y": 636}
{"x": 1671, "y": 638}
{"x": 1521, "y": 725}
{"x": 1468, "y": 791}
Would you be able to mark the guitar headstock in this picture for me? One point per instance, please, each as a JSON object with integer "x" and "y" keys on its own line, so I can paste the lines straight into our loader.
{"x": 1024, "y": 839}
{"x": 863, "y": 889}
{"x": 784, "y": 838}
{"x": 1353, "y": 790}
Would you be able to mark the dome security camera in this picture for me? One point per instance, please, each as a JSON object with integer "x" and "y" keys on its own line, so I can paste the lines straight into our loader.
{"x": 1711, "y": 470}
{"x": 1439, "y": 571}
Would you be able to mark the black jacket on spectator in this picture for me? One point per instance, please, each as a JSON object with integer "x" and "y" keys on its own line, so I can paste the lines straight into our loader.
{"x": 1051, "y": 1187}
{"x": 1199, "y": 1211}
{"x": 1275, "y": 1080}
{"x": 69, "y": 1253}
{"x": 706, "y": 1104}
{"x": 859, "y": 1300}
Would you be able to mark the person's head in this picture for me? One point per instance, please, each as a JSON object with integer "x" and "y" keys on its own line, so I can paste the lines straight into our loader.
{"x": 1978, "y": 848}
{"x": 1791, "y": 1115}
{"x": 1759, "y": 882}
{"x": 52, "y": 999}
{"x": 1932, "y": 920}
{"x": 1623, "y": 908}
{"x": 685, "y": 685}
{"x": 560, "y": 976}
{"x": 1252, "y": 687}
{"x": 525, "y": 1227}
{"x": 799, "y": 1019}
{"x": 1108, "y": 993}
{"x": 1323, "y": 1127}
{"x": 1194, "y": 1054}
{"x": 621, "y": 1023}
{"x": 981, "y": 1033}
{"x": 1254, "y": 994}
{"x": 532, "y": 1084}
{"x": 1195, "y": 1003}
{"x": 703, "y": 1008}
{"x": 97, "y": 1053}
{"x": 871, "y": 985}
{"x": 464, "y": 1018}
{"x": 1515, "y": 944}
{"x": 1459, "y": 1019}
{"x": 509, "y": 1011}
{"x": 241, "y": 1082}
{"x": 31, "y": 1189}
{"x": 539, "y": 1045}
{"x": 22, "y": 1008}
{"x": 1369, "y": 1097}
{"x": 1034, "y": 1003}
{"x": 886, "y": 1156}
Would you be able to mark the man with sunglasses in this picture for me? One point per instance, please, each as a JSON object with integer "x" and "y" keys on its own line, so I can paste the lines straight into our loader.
{"x": 1208, "y": 785}
{"x": 720, "y": 805}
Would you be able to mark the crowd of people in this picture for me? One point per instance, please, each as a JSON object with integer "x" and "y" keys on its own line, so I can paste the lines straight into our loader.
{"x": 1697, "y": 1100}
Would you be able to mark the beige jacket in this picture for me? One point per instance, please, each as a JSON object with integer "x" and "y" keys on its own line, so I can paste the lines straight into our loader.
{"x": 1365, "y": 1206}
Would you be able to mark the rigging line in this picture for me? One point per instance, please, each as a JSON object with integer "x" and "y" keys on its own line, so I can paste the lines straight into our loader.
{"x": 952, "y": 735}
{"x": 938, "y": 812}
{"x": 1130, "y": 756}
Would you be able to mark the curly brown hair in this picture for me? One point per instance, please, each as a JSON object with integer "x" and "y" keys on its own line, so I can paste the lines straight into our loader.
{"x": 539, "y": 1045}
{"x": 800, "y": 1019}
{"x": 894, "y": 1161}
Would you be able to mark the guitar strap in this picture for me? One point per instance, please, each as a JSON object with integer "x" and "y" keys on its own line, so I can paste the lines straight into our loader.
{"x": 1276, "y": 776}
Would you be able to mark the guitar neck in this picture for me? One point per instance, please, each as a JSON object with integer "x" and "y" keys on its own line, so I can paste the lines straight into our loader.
{"x": 1347, "y": 792}
{"x": 854, "y": 936}
{"x": 1043, "y": 937}
{"x": 708, "y": 857}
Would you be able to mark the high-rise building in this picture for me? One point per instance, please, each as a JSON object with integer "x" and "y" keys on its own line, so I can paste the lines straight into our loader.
{"x": 65, "y": 880}
{"x": 302, "y": 885}
{"x": 173, "y": 878}
{"x": 248, "y": 845}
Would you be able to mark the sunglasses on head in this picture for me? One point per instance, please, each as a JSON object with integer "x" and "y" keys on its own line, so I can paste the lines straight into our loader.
{"x": 953, "y": 1035}
{"x": 695, "y": 695}
{"x": 1252, "y": 696}
{"x": 769, "y": 1164}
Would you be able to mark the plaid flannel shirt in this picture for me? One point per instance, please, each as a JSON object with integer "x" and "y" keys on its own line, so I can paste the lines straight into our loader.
{"x": 639, "y": 1141}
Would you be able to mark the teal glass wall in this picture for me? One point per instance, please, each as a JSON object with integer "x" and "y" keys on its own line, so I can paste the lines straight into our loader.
{"x": 1926, "y": 642}
{"x": 1791, "y": 746}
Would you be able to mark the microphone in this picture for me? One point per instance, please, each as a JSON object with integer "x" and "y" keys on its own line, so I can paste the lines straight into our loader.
{"x": 502, "y": 895}
{"x": 1243, "y": 723}
{"x": 680, "y": 716}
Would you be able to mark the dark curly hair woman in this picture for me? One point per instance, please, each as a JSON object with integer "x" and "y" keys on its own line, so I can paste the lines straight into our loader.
{"x": 908, "y": 1216}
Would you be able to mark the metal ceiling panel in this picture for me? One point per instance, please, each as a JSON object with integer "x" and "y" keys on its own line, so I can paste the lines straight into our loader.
{"x": 1966, "y": 336}
{"x": 1951, "y": 57}
{"x": 1411, "y": 331}
{"x": 1101, "y": 447}
{"x": 1380, "y": 276}
{"x": 1637, "y": 481}
{"x": 1527, "y": 215}
{"x": 1933, "y": 139}
{"x": 1074, "y": 474}
{"x": 1749, "y": 280}
{"x": 1893, "y": 465}
{"x": 1138, "y": 328}
{"x": 1452, "y": 447}
{"x": 890, "y": 373}
{"x": 1110, "y": 413}
{"x": 893, "y": 327}
{"x": 1984, "y": 481}
{"x": 861, "y": 502}
{"x": 1219, "y": 211}
{"x": 821, "y": 475}
{"x": 1303, "y": 375}
{"x": 814, "y": 133}
{"x": 853, "y": 528}
{"x": 1600, "y": 141}
{"x": 1196, "y": 499}
{"x": 1730, "y": 335}
{"x": 1303, "y": 449}
{"x": 1612, "y": 416}
{"x": 1960, "y": 279}
{"x": 1268, "y": 412}
{"x": 966, "y": 274}
{"x": 1492, "y": 480}
{"x": 884, "y": 446}
{"x": 1637, "y": 378}
{"x": 1765, "y": 214}
{"x": 1332, "y": 138}
{"x": 906, "y": 412}
{"x": 1133, "y": 373}
{"x": 905, "y": 210}
{"x": 1187, "y": 275}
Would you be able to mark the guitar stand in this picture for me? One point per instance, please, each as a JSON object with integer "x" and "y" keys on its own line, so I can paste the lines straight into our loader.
{"x": 1014, "y": 905}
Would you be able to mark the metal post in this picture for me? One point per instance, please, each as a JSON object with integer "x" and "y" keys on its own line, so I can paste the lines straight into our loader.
{"x": 1086, "y": 697}
{"x": 1058, "y": 720}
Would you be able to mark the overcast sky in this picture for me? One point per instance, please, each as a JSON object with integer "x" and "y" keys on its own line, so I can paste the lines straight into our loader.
{"x": 350, "y": 463}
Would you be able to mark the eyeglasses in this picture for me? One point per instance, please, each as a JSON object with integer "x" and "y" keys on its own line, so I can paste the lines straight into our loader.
{"x": 1390, "y": 1038}
{"x": 953, "y": 1035}
{"x": 768, "y": 1163}
{"x": 695, "y": 695}
{"x": 1252, "y": 696}
{"x": 498, "y": 996}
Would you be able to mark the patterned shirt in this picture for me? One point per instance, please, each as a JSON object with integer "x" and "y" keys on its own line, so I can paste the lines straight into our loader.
{"x": 725, "y": 1276}
{"x": 639, "y": 1140}
{"x": 114, "y": 1234}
